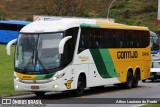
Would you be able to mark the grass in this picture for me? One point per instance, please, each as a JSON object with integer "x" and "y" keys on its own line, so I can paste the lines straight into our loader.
{"x": 151, "y": 105}
{"x": 6, "y": 72}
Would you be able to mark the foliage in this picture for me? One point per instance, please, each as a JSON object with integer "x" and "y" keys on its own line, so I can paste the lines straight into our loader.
{"x": 2, "y": 13}
{"x": 132, "y": 12}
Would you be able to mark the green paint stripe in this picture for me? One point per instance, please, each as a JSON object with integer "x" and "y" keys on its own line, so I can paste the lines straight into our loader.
{"x": 89, "y": 26}
{"x": 40, "y": 76}
{"x": 49, "y": 75}
{"x": 99, "y": 63}
{"x": 108, "y": 62}
{"x": 44, "y": 76}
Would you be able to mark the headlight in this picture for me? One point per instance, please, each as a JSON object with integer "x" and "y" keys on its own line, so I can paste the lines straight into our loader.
{"x": 54, "y": 78}
{"x": 58, "y": 76}
{"x": 18, "y": 79}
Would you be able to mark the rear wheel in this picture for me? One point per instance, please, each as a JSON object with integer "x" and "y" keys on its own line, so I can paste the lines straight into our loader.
{"x": 135, "y": 80}
{"x": 129, "y": 81}
{"x": 143, "y": 80}
{"x": 80, "y": 87}
{"x": 39, "y": 94}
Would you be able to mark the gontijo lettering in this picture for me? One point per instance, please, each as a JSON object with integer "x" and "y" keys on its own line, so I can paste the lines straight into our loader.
{"x": 127, "y": 54}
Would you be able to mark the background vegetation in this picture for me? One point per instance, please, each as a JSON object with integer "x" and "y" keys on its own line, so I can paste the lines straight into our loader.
{"x": 132, "y": 12}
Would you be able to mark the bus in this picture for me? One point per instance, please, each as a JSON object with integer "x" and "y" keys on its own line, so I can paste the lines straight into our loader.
{"x": 154, "y": 41}
{"x": 71, "y": 54}
{"x": 155, "y": 56}
{"x": 9, "y": 29}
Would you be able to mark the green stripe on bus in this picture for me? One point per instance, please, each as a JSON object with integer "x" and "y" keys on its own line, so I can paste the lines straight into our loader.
{"x": 89, "y": 26}
{"x": 45, "y": 76}
{"x": 108, "y": 62}
{"x": 40, "y": 76}
{"x": 100, "y": 65}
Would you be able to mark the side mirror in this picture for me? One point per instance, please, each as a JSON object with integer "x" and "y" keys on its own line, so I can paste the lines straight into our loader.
{"x": 62, "y": 43}
{"x": 9, "y": 45}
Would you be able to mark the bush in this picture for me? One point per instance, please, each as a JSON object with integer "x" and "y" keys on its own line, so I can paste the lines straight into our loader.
{"x": 2, "y": 13}
{"x": 149, "y": 7}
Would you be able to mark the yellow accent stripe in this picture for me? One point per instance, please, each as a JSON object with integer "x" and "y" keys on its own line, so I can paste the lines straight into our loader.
{"x": 112, "y": 25}
{"x": 124, "y": 27}
{"x": 25, "y": 76}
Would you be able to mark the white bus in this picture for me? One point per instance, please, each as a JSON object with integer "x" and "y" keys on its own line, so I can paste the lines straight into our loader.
{"x": 74, "y": 53}
{"x": 155, "y": 66}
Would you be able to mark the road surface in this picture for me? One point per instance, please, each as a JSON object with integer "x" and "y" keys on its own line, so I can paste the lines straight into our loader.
{"x": 92, "y": 98}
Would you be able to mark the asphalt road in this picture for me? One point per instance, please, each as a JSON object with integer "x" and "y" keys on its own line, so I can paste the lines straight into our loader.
{"x": 93, "y": 98}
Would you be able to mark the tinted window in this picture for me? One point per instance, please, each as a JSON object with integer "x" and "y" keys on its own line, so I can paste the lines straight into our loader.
{"x": 113, "y": 38}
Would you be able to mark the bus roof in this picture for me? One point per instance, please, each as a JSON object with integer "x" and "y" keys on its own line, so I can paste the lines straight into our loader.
{"x": 61, "y": 24}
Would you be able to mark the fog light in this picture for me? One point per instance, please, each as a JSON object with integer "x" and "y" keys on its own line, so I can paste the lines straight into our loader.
{"x": 55, "y": 86}
{"x": 17, "y": 86}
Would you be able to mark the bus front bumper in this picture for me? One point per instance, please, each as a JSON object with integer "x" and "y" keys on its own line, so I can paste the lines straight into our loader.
{"x": 33, "y": 87}
{"x": 155, "y": 73}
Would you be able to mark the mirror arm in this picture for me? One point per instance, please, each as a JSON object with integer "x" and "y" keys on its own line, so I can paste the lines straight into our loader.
{"x": 9, "y": 45}
{"x": 62, "y": 43}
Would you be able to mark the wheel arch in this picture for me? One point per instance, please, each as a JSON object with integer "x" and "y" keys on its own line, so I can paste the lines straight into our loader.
{"x": 130, "y": 70}
{"x": 83, "y": 74}
{"x": 138, "y": 72}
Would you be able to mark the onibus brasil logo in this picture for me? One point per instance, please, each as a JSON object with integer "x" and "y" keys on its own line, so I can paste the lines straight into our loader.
{"x": 21, "y": 102}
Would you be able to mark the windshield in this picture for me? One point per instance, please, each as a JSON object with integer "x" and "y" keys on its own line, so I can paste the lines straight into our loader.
{"x": 38, "y": 52}
{"x": 154, "y": 41}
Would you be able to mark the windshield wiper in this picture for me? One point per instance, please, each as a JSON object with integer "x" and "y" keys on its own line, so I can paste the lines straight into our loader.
{"x": 40, "y": 62}
{"x": 30, "y": 60}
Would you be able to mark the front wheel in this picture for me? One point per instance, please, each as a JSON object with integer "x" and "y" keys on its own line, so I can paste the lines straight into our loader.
{"x": 80, "y": 87}
{"x": 39, "y": 94}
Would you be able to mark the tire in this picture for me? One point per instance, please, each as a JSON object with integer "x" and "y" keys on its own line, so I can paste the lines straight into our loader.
{"x": 129, "y": 81}
{"x": 152, "y": 80}
{"x": 97, "y": 88}
{"x": 39, "y": 94}
{"x": 143, "y": 80}
{"x": 135, "y": 80}
{"x": 80, "y": 87}
{"x": 121, "y": 85}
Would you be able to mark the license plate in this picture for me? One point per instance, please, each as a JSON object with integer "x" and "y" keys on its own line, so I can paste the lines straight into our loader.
{"x": 34, "y": 87}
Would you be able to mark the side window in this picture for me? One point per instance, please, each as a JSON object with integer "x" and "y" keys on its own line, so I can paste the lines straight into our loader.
{"x": 101, "y": 38}
{"x": 113, "y": 38}
{"x": 70, "y": 45}
{"x": 85, "y": 39}
{"x": 82, "y": 41}
{"x": 106, "y": 38}
{"x": 95, "y": 38}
